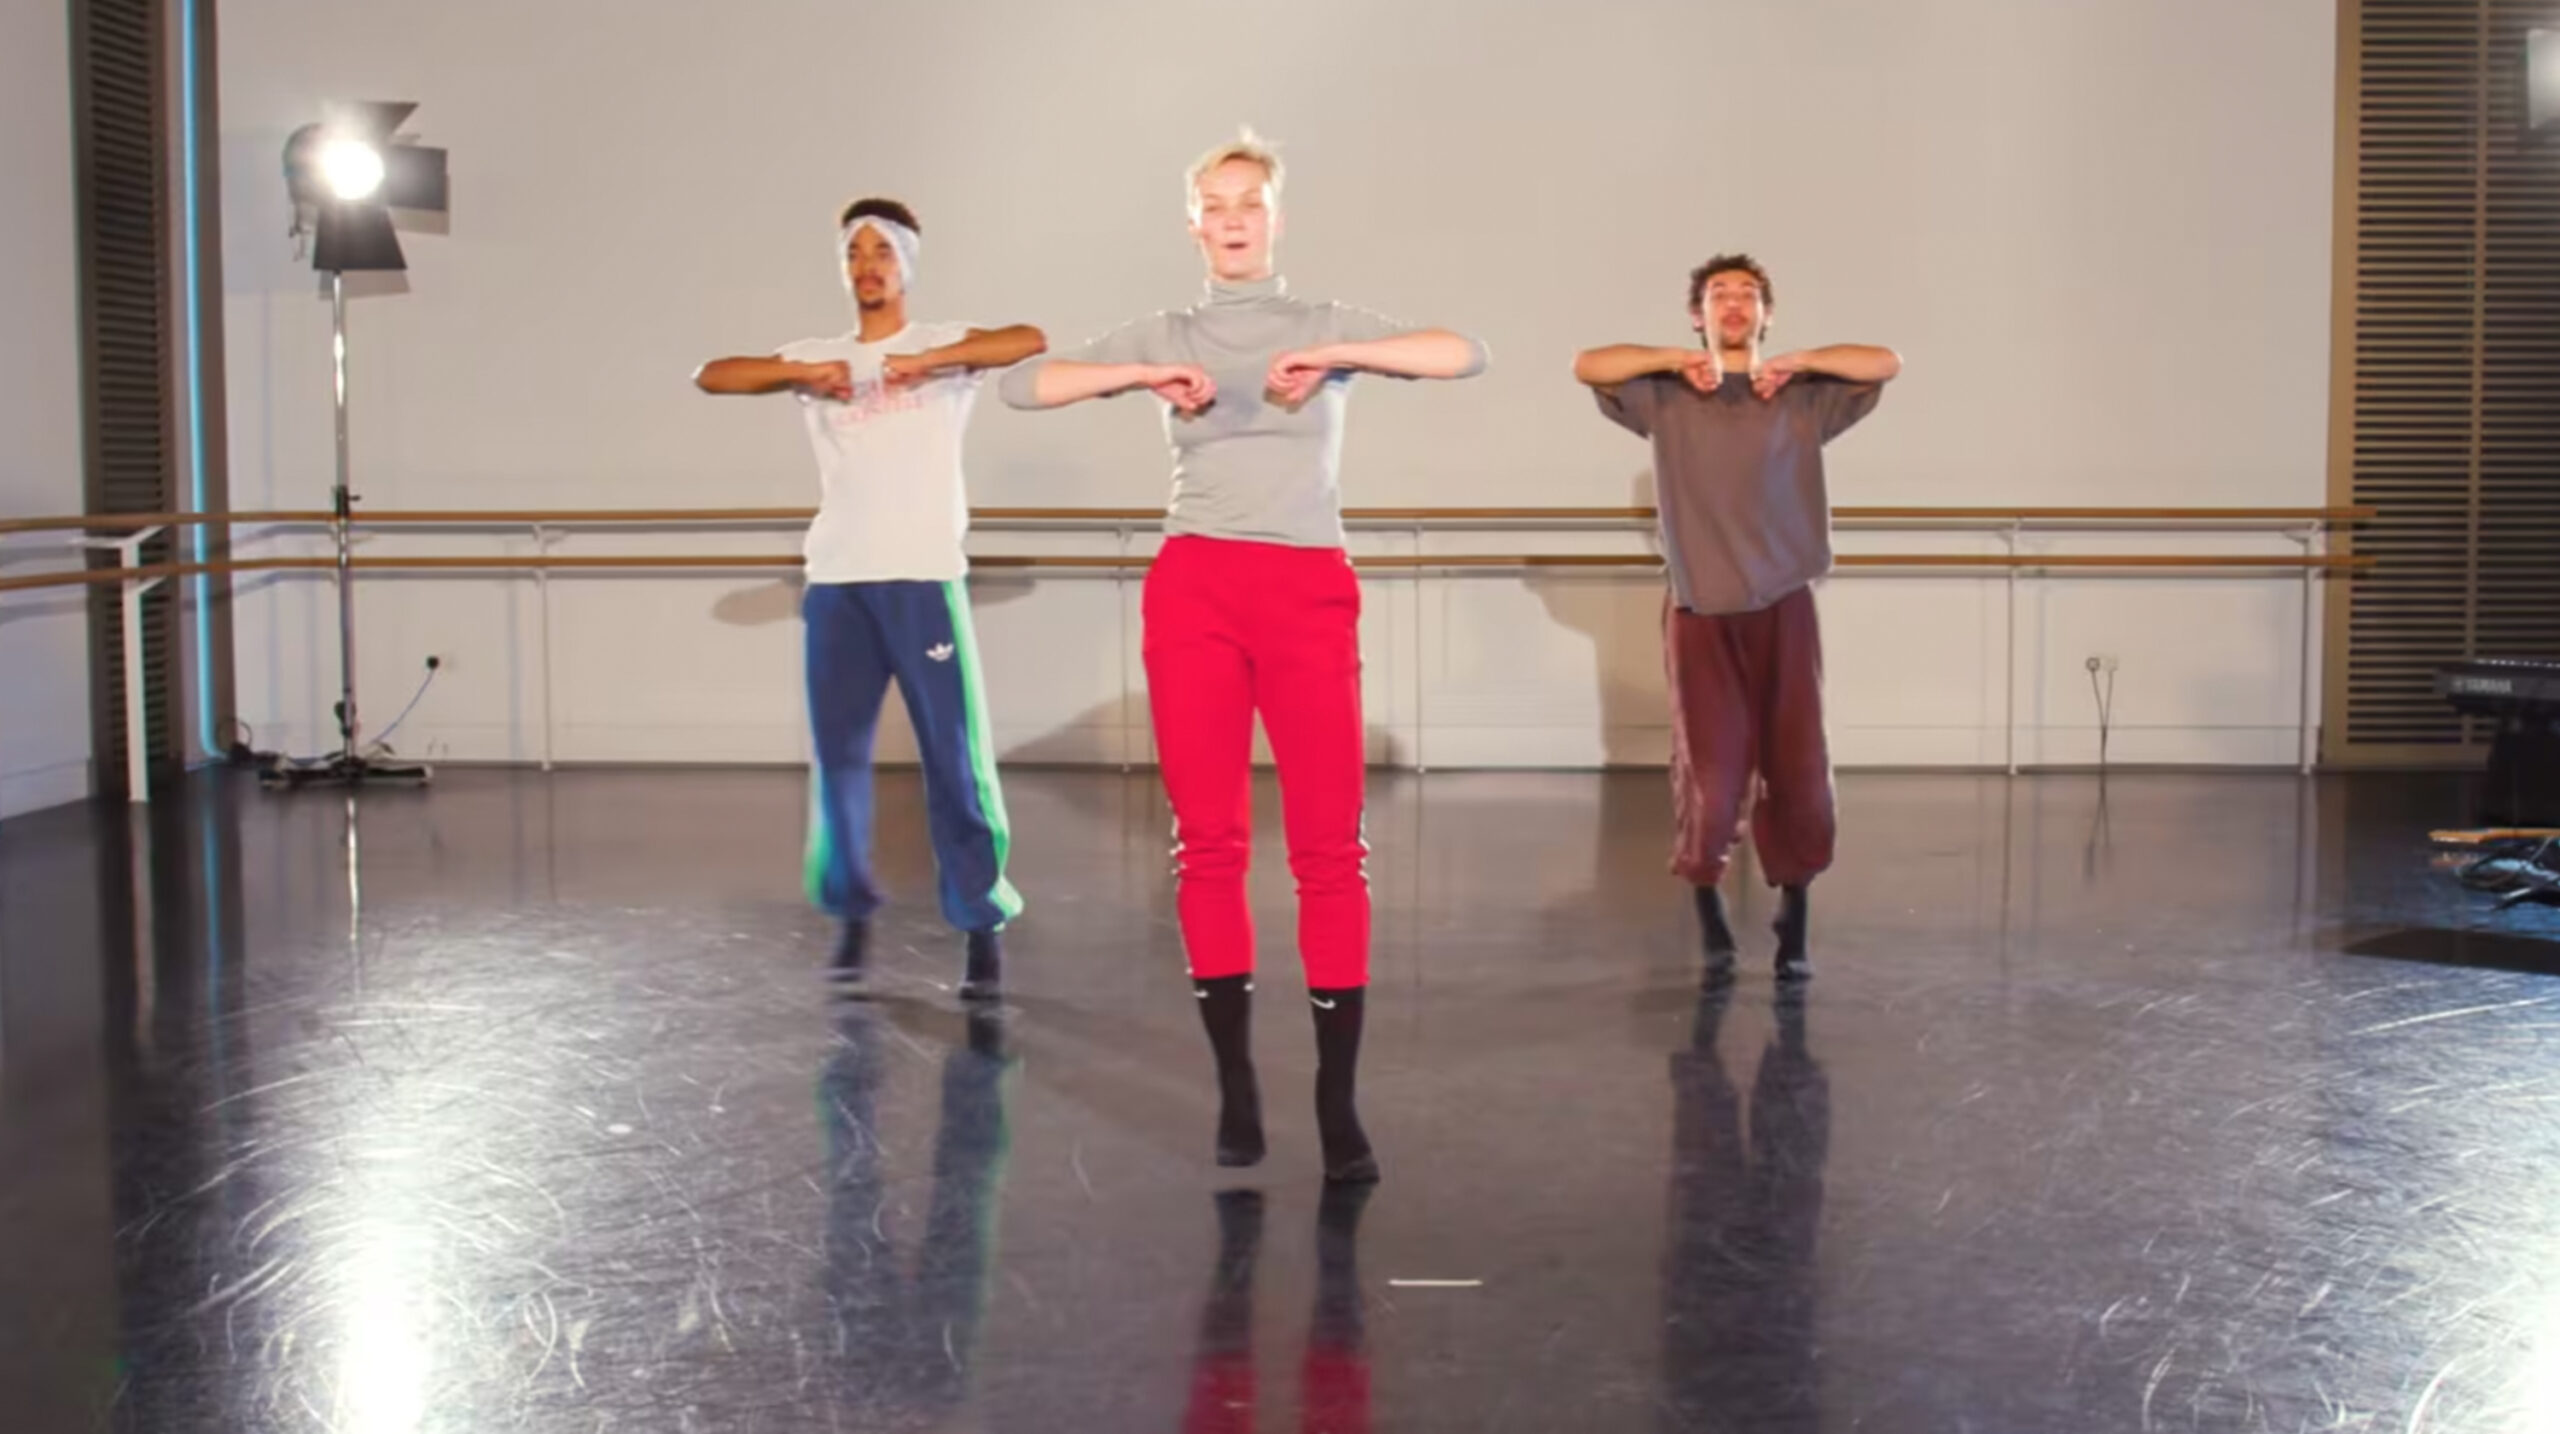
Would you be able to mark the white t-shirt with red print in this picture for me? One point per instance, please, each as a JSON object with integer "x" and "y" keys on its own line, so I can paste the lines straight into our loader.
{"x": 892, "y": 503}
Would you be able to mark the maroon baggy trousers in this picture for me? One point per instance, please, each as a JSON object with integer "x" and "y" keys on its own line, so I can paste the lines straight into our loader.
{"x": 1746, "y": 722}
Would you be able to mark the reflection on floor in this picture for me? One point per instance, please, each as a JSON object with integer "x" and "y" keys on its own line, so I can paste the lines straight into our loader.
{"x": 2187, "y": 1103}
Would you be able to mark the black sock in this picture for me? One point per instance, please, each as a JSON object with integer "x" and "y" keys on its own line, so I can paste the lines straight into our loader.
{"x": 1715, "y": 932}
{"x": 1226, "y": 1012}
{"x": 983, "y": 977}
{"x": 1795, "y": 963}
{"x": 853, "y": 951}
{"x": 1340, "y": 1013}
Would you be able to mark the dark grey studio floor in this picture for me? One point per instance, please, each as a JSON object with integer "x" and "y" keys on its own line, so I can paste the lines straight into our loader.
{"x": 2205, "y": 1107}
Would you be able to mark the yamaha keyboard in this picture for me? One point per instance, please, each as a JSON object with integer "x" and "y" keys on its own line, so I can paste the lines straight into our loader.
{"x": 2522, "y": 785}
{"x": 2492, "y": 688}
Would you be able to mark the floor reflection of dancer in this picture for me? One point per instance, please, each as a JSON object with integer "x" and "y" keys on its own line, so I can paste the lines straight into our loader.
{"x": 1333, "y": 1379}
{"x": 1738, "y": 1271}
{"x": 1746, "y": 529}
{"x": 1252, "y": 607}
{"x": 906, "y": 1336}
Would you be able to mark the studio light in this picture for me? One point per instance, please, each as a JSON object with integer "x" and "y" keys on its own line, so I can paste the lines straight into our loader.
{"x": 347, "y": 172}
{"x": 352, "y": 167}
{"x": 345, "y": 175}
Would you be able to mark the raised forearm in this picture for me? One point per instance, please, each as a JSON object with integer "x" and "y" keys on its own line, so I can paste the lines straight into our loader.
{"x": 1858, "y": 363}
{"x": 1422, "y": 353}
{"x": 991, "y": 348}
{"x": 750, "y": 375}
{"x": 1057, "y": 382}
{"x": 1614, "y": 364}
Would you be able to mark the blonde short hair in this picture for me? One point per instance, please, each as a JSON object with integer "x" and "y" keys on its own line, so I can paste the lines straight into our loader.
{"x": 1247, "y": 146}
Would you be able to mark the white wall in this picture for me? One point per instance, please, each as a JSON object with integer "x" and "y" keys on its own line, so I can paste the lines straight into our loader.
{"x": 44, "y": 686}
{"x": 2102, "y": 245}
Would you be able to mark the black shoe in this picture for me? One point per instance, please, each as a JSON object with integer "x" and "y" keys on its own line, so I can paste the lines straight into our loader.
{"x": 852, "y": 962}
{"x": 1226, "y": 1012}
{"x": 983, "y": 978}
{"x": 1717, "y": 936}
{"x": 1795, "y": 965}
{"x": 1340, "y": 1013}
{"x": 1240, "y": 1142}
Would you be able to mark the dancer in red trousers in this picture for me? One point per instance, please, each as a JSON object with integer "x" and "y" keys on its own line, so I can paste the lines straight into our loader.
{"x": 1252, "y": 606}
{"x": 1746, "y": 528}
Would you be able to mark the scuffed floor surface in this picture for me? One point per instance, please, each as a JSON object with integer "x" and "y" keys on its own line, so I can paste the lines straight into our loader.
{"x": 2201, "y": 1106}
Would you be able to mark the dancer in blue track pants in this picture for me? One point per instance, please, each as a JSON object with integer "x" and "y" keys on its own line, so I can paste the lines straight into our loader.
{"x": 887, "y": 599}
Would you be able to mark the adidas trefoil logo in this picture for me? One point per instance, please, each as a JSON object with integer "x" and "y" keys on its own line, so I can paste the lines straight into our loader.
{"x": 939, "y": 652}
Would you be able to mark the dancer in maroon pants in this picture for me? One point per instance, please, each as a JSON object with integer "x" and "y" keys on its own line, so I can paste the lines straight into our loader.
{"x": 1746, "y": 529}
{"x": 1252, "y": 606}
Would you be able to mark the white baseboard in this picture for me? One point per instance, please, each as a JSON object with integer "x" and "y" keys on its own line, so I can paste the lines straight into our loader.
{"x": 33, "y": 789}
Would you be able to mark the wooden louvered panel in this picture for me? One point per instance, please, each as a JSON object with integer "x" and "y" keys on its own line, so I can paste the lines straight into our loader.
{"x": 2518, "y": 610}
{"x": 125, "y": 353}
{"x": 2449, "y": 366}
{"x": 2412, "y": 355}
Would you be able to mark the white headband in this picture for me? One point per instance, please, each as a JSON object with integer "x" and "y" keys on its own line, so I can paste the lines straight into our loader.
{"x": 900, "y": 238}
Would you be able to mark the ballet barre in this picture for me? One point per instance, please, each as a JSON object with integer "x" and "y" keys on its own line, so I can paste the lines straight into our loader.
{"x": 744, "y": 562}
{"x": 2308, "y": 527}
{"x": 1960, "y": 517}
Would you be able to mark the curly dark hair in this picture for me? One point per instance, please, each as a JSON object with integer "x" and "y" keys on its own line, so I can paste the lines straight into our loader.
{"x": 1730, "y": 264}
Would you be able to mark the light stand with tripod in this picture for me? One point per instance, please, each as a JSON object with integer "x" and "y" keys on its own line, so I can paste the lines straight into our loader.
{"x": 346, "y": 174}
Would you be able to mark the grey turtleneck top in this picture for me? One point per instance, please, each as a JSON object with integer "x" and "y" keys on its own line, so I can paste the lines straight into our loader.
{"x": 1245, "y": 467}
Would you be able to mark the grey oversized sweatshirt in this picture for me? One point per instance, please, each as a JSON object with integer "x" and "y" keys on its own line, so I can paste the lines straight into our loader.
{"x": 1245, "y": 467}
{"x": 1738, "y": 481}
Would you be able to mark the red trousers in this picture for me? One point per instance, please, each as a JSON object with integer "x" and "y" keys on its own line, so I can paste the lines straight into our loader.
{"x": 1746, "y": 702}
{"x": 1232, "y": 629}
{"x": 1333, "y": 1393}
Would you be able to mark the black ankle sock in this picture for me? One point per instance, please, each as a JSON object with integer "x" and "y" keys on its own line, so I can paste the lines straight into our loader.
{"x": 1795, "y": 963}
{"x": 983, "y": 977}
{"x": 1340, "y": 1013}
{"x": 1713, "y": 927}
{"x": 1715, "y": 932}
{"x": 853, "y": 951}
{"x": 1226, "y": 1012}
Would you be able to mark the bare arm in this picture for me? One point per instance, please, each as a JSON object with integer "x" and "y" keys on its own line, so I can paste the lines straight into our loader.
{"x": 1858, "y": 363}
{"x": 998, "y": 348}
{"x": 1614, "y": 364}
{"x": 771, "y": 375}
{"x": 978, "y": 349}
